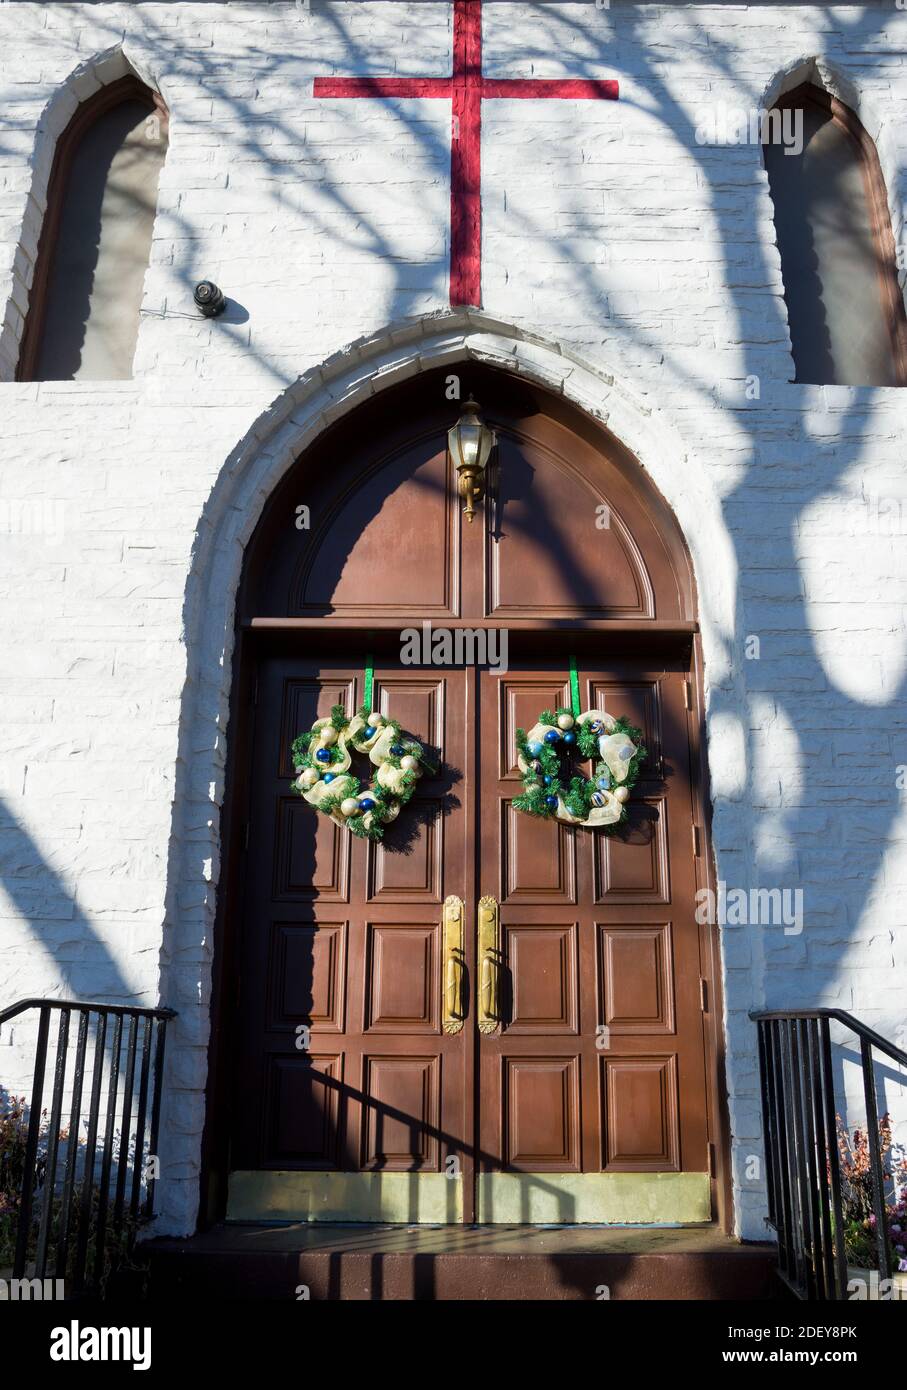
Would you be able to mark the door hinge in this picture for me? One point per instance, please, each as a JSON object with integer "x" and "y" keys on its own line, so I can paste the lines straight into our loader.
{"x": 687, "y": 695}
{"x": 703, "y": 994}
{"x": 696, "y": 841}
{"x": 713, "y": 1161}
{"x": 245, "y": 835}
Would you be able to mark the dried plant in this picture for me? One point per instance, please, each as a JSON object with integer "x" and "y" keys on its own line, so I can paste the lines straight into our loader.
{"x": 860, "y": 1222}
{"x": 14, "y": 1123}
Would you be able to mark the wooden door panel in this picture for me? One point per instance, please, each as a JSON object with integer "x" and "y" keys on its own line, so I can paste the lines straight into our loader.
{"x": 541, "y": 989}
{"x": 540, "y": 560}
{"x": 541, "y": 1113}
{"x": 641, "y": 703}
{"x": 599, "y": 942}
{"x": 417, "y": 701}
{"x": 303, "y": 1111}
{"x": 640, "y": 1104}
{"x": 402, "y": 1113}
{"x": 521, "y": 703}
{"x": 307, "y": 976}
{"x": 365, "y": 981}
{"x": 303, "y": 701}
{"x": 402, "y": 508}
{"x": 307, "y": 865}
{"x": 537, "y": 860}
{"x": 634, "y": 867}
{"x": 636, "y": 978}
{"x": 402, "y": 974}
{"x": 309, "y": 862}
{"x": 417, "y": 874}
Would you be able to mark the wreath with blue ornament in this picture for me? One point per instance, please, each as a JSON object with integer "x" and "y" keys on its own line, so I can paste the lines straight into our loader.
{"x": 554, "y": 790}
{"x": 322, "y": 762}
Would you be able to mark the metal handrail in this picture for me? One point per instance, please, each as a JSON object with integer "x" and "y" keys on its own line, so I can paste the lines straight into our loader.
{"x": 133, "y": 1010}
{"x": 89, "y": 1206}
{"x": 803, "y": 1166}
{"x": 854, "y": 1024}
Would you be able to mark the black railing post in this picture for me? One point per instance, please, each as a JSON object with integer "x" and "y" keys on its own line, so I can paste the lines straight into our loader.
{"x": 141, "y": 1117}
{"x": 53, "y": 1144}
{"x": 768, "y": 1122}
{"x": 157, "y": 1096}
{"x": 875, "y": 1160}
{"x": 113, "y": 1081}
{"x": 31, "y": 1147}
{"x": 72, "y": 1146}
{"x": 834, "y": 1158}
{"x": 824, "y": 1254}
{"x": 795, "y": 1154}
{"x": 88, "y": 1164}
{"x": 782, "y": 1166}
{"x": 125, "y": 1123}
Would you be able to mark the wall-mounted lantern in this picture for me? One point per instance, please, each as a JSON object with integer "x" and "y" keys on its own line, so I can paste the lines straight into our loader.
{"x": 470, "y": 442}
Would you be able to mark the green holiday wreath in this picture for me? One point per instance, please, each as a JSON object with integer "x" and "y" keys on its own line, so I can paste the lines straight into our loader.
{"x": 322, "y": 760}
{"x": 550, "y": 786}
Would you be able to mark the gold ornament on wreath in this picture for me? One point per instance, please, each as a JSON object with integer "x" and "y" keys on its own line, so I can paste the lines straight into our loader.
{"x": 322, "y": 761}
{"x": 553, "y": 790}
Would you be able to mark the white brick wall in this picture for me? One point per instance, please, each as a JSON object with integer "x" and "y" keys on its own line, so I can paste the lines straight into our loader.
{"x": 610, "y": 236}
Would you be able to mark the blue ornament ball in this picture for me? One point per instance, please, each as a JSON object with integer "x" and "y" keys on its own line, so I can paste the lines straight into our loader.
{"x": 604, "y": 783}
{"x": 323, "y": 755}
{"x": 551, "y": 802}
{"x": 547, "y": 781}
{"x": 534, "y": 748}
{"x": 369, "y": 731}
{"x": 366, "y": 803}
{"x": 552, "y": 735}
{"x": 398, "y": 750}
{"x": 569, "y": 736}
{"x": 328, "y": 777}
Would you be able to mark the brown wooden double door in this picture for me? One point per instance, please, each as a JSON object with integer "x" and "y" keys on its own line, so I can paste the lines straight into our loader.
{"x": 597, "y": 1066}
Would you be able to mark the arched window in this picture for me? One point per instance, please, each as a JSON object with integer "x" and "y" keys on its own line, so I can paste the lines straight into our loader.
{"x": 844, "y": 305}
{"x": 83, "y": 314}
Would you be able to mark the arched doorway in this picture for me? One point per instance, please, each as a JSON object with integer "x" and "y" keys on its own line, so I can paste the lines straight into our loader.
{"x": 593, "y": 1097}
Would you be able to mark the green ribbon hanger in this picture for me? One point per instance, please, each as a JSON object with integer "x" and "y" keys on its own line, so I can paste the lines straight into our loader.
{"x": 574, "y": 688}
{"x": 369, "y": 683}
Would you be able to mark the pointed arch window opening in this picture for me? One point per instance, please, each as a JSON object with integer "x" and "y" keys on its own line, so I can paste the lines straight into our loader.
{"x": 66, "y": 267}
{"x": 831, "y": 249}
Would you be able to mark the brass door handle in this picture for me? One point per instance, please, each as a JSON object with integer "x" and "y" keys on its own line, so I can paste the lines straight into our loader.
{"x": 453, "y": 1004}
{"x": 490, "y": 967}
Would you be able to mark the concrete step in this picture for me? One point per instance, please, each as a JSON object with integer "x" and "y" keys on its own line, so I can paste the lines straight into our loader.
{"x": 401, "y": 1263}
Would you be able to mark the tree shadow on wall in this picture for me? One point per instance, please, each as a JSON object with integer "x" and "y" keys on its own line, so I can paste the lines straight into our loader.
{"x": 82, "y": 960}
{"x": 818, "y": 830}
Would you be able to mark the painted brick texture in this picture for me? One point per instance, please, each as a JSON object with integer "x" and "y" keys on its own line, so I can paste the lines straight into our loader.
{"x": 622, "y": 260}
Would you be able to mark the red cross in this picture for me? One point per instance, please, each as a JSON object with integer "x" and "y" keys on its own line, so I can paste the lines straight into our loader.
{"x": 467, "y": 88}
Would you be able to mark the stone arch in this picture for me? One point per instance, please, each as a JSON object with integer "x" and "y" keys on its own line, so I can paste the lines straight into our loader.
{"x": 83, "y": 82}
{"x": 252, "y": 471}
{"x": 845, "y": 87}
